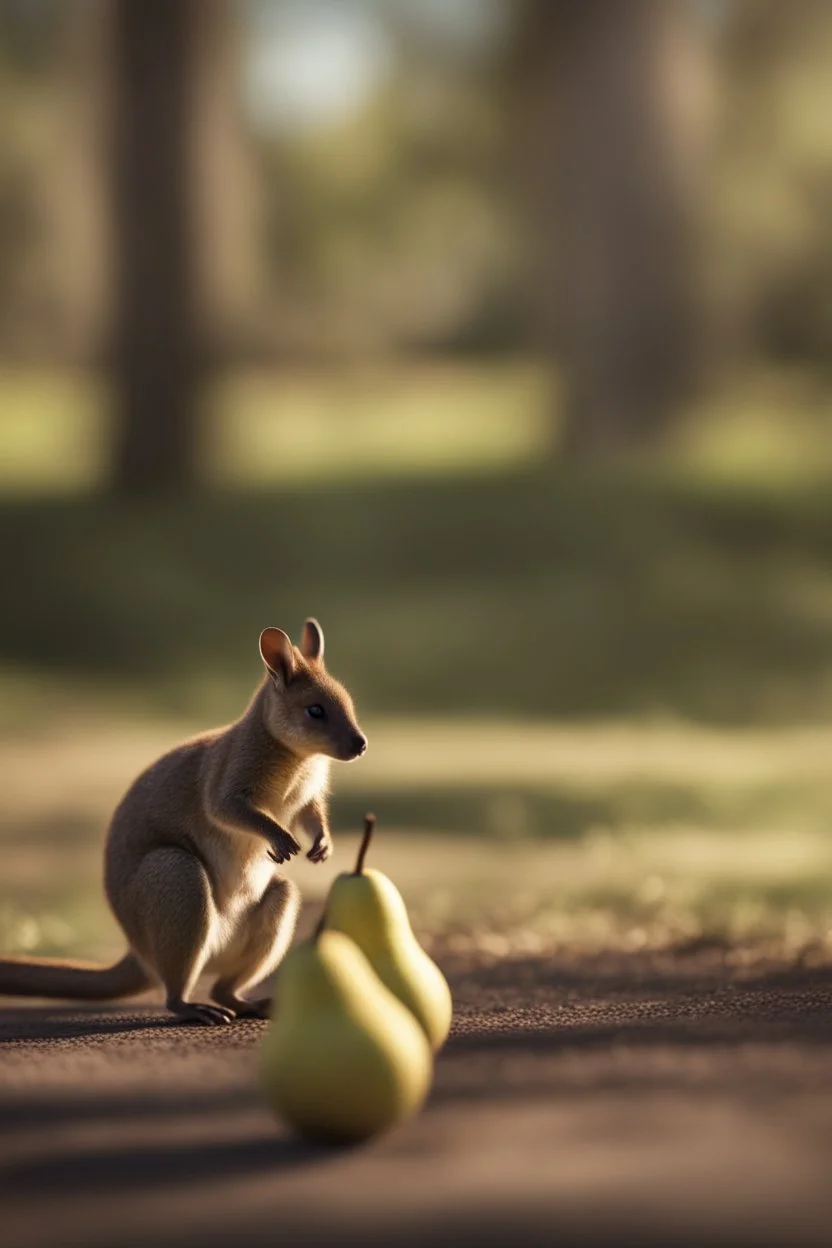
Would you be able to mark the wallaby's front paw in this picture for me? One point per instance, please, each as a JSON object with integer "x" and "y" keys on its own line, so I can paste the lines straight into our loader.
{"x": 283, "y": 846}
{"x": 321, "y": 848}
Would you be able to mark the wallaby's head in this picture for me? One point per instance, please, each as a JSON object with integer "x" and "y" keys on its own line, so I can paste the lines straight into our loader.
{"x": 304, "y": 708}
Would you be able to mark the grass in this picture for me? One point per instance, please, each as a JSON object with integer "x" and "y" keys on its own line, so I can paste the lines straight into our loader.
{"x": 53, "y": 432}
{"x": 503, "y": 837}
{"x": 599, "y": 702}
{"x": 537, "y": 592}
{"x": 290, "y": 428}
{"x": 359, "y": 424}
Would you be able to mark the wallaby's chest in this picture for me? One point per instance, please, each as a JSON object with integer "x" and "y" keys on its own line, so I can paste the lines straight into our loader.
{"x": 286, "y": 795}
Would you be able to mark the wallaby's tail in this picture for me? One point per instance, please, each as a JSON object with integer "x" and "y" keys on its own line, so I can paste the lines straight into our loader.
{"x": 75, "y": 981}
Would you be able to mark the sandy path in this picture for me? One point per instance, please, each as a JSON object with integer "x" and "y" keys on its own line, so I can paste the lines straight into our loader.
{"x": 668, "y": 1098}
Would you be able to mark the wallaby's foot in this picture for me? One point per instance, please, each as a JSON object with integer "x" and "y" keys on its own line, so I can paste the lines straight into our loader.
{"x": 261, "y": 1008}
{"x": 198, "y": 1012}
{"x": 246, "y": 1009}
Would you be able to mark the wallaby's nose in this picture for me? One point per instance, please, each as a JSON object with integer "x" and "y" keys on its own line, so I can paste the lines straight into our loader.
{"x": 359, "y": 744}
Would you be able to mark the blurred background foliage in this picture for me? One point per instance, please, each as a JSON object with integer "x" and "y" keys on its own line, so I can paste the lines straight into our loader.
{"x": 496, "y": 333}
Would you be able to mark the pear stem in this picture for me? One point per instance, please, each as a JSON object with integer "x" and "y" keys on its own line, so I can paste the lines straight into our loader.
{"x": 369, "y": 826}
{"x": 319, "y": 927}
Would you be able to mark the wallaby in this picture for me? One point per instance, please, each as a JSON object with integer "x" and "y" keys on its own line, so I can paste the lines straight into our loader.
{"x": 189, "y": 866}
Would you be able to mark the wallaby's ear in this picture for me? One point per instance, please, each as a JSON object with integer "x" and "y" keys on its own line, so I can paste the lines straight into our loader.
{"x": 276, "y": 652}
{"x": 312, "y": 641}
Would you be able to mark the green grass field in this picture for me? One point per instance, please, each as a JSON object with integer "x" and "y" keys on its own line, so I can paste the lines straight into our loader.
{"x": 503, "y": 836}
{"x": 599, "y": 701}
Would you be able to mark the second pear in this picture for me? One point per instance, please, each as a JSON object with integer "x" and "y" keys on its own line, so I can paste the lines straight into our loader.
{"x": 367, "y": 906}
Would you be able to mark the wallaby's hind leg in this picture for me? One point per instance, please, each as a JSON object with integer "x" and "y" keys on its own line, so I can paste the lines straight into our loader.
{"x": 176, "y": 944}
{"x": 269, "y": 929}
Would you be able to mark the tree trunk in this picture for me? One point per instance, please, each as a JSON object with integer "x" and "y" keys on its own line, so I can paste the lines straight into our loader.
{"x": 609, "y": 124}
{"x": 157, "y": 359}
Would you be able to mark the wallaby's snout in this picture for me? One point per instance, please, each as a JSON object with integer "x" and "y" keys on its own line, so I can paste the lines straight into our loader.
{"x": 359, "y": 746}
{"x": 346, "y": 741}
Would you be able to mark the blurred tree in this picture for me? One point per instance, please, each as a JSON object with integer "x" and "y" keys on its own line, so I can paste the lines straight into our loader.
{"x": 385, "y": 230}
{"x": 772, "y": 193}
{"x": 29, "y": 46}
{"x": 177, "y": 191}
{"x": 156, "y": 346}
{"x": 608, "y": 117}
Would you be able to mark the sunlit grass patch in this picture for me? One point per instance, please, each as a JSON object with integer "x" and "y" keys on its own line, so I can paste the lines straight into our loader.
{"x": 766, "y": 427}
{"x": 257, "y": 429}
{"x": 53, "y": 431}
{"x": 681, "y": 889}
{"x": 348, "y": 423}
{"x": 662, "y": 838}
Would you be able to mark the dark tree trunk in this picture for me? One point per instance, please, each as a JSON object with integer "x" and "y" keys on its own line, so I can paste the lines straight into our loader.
{"x": 608, "y": 169}
{"x": 157, "y": 360}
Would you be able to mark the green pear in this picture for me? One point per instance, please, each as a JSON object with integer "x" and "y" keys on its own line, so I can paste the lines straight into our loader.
{"x": 367, "y": 906}
{"x": 343, "y": 1059}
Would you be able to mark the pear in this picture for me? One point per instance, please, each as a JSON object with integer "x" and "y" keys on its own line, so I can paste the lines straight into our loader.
{"x": 367, "y": 906}
{"x": 343, "y": 1059}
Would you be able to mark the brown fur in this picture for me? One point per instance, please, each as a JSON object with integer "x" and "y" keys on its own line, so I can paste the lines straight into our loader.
{"x": 189, "y": 865}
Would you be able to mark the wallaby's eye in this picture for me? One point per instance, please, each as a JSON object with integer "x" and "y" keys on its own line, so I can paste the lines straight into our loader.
{"x": 316, "y": 711}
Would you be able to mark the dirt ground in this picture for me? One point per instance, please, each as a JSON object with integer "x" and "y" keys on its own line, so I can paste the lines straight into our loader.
{"x": 642, "y": 1098}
